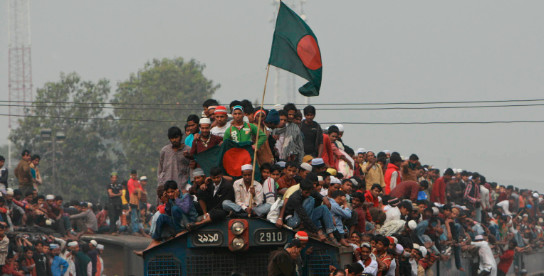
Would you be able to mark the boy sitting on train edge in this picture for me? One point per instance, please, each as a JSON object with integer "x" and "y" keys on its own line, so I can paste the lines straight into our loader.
{"x": 179, "y": 211}
{"x": 300, "y": 208}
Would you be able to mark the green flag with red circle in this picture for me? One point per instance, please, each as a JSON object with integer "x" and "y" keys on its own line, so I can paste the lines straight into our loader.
{"x": 295, "y": 49}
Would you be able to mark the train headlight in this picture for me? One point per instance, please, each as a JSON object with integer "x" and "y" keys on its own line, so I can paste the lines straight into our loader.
{"x": 238, "y": 243}
{"x": 237, "y": 228}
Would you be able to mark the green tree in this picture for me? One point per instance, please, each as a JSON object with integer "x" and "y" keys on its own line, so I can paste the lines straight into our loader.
{"x": 79, "y": 167}
{"x": 159, "y": 96}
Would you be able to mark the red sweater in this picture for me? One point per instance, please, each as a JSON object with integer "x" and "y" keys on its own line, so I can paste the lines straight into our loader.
{"x": 374, "y": 200}
{"x": 506, "y": 260}
{"x": 391, "y": 168}
{"x": 438, "y": 193}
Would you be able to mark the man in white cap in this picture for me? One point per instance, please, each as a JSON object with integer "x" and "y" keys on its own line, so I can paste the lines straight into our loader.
{"x": 93, "y": 254}
{"x": 99, "y": 260}
{"x": 59, "y": 266}
{"x": 339, "y": 143}
{"x": 205, "y": 140}
{"x": 249, "y": 199}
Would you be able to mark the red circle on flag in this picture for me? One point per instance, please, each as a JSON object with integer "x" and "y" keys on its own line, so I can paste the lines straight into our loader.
{"x": 234, "y": 159}
{"x": 308, "y": 52}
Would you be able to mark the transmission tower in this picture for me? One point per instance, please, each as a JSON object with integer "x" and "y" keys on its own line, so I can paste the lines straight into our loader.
{"x": 19, "y": 62}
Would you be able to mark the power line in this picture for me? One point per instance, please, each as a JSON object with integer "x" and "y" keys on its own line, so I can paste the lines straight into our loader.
{"x": 436, "y": 122}
{"x": 320, "y": 109}
{"x": 367, "y": 103}
{"x": 324, "y": 123}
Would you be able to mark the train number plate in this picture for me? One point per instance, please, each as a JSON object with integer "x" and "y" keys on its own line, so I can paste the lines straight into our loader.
{"x": 270, "y": 236}
{"x": 207, "y": 238}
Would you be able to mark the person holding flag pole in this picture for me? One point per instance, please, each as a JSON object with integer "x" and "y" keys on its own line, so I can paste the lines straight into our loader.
{"x": 295, "y": 49}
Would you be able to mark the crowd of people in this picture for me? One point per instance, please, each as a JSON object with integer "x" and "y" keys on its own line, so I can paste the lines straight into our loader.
{"x": 399, "y": 215}
{"x": 41, "y": 234}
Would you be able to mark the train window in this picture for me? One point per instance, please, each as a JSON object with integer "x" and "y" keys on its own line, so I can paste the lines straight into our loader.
{"x": 164, "y": 265}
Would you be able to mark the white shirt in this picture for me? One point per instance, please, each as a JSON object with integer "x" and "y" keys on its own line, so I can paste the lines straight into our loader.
{"x": 484, "y": 197}
{"x": 242, "y": 195}
{"x": 393, "y": 182}
{"x": 392, "y": 268}
{"x": 216, "y": 187}
{"x": 487, "y": 260}
{"x": 505, "y": 205}
{"x": 372, "y": 268}
{"x": 220, "y": 131}
{"x": 393, "y": 213}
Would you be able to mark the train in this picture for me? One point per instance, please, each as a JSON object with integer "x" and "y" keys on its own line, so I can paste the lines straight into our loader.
{"x": 236, "y": 246}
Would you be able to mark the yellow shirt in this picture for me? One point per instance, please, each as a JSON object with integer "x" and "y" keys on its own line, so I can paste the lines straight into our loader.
{"x": 373, "y": 175}
{"x": 123, "y": 198}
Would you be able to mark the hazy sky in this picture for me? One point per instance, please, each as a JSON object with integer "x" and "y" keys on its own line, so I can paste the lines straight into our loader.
{"x": 372, "y": 51}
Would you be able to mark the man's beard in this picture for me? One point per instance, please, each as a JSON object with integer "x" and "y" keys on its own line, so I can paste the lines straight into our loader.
{"x": 176, "y": 144}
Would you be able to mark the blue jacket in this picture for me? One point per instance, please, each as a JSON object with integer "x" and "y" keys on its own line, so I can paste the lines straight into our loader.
{"x": 59, "y": 266}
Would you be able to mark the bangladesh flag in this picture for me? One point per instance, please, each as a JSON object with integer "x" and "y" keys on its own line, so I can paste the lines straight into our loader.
{"x": 230, "y": 156}
{"x": 295, "y": 49}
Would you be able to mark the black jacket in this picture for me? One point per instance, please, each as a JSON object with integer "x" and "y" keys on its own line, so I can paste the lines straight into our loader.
{"x": 42, "y": 264}
{"x": 225, "y": 192}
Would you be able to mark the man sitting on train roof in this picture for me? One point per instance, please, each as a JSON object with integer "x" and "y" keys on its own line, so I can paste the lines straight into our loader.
{"x": 300, "y": 209}
{"x": 179, "y": 211}
{"x": 249, "y": 197}
{"x": 211, "y": 196}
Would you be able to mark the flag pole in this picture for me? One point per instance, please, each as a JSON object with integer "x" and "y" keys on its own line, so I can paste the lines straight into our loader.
{"x": 257, "y": 139}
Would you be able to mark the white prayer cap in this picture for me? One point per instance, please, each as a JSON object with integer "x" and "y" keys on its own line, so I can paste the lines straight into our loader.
{"x": 89, "y": 205}
{"x": 479, "y": 238}
{"x": 535, "y": 195}
{"x": 412, "y": 224}
{"x": 335, "y": 180}
{"x": 9, "y": 191}
{"x": 205, "y": 121}
{"x": 361, "y": 150}
{"x": 306, "y": 167}
{"x": 281, "y": 164}
{"x": 143, "y": 178}
{"x": 340, "y": 127}
{"x": 93, "y": 242}
{"x": 53, "y": 246}
{"x": 198, "y": 172}
{"x": 415, "y": 246}
{"x": 72, "y": 244}
{"x": 386, "y": 151}
{"x": 318, "y": 162}
{"x": 247, "y": 167}
{"x": 319, "y": 178}
{"x": 278, "y": 107}
{"x": 423, "y": 251}
{"x": 100, "y": 247}
{"x": 49, "y": 197}
{"x": 399, "y": 249}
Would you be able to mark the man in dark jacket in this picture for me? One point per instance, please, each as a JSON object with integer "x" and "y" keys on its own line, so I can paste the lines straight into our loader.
{"x": 41, "y": 261}
{"x": 283, "y": 261}
{"x": 211, "y": 195}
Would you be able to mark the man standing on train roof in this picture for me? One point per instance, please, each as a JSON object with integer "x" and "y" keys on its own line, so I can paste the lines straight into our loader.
{"x": 221, "y": 123}
{"x": 173, "y": 165}
{"x": 240, "y": 131}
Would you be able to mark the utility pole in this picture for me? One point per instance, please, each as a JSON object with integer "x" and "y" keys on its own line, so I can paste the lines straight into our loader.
{"x": 19, "y": 63}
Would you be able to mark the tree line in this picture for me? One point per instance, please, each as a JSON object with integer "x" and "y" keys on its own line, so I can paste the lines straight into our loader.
{"x": 101, "y": 138}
